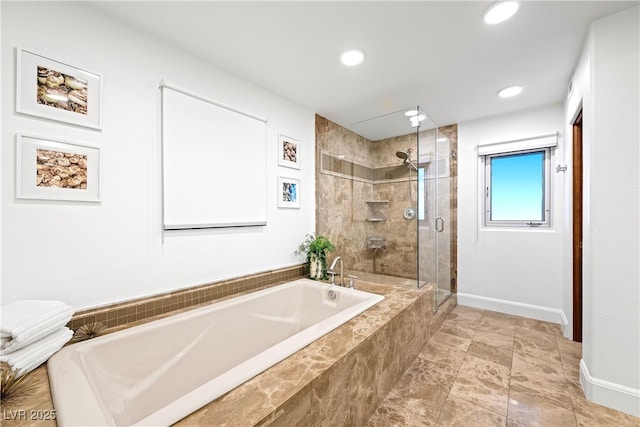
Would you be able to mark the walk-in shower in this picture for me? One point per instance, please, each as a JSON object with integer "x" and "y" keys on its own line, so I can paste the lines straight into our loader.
{"x": 385, "y": 189}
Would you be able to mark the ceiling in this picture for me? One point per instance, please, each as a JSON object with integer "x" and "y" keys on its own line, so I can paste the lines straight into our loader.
{"x": 439, "y": 55}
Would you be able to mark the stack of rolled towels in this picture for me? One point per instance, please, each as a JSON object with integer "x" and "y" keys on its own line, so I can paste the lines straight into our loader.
{"x": 31, "y": 331}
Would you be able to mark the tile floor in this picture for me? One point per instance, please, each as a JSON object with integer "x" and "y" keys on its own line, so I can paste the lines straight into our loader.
{"x": 484, "y": 368}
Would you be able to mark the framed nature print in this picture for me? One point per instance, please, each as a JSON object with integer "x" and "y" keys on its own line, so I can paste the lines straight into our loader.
{"x": 288, "y": 192}
{"x": 56, "y": 91}
{"x": 288, "y": 152}
{"x": 53, "y": 169}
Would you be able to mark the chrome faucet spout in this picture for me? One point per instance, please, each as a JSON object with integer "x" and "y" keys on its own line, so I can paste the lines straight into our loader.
{"x": 333, "y": 265}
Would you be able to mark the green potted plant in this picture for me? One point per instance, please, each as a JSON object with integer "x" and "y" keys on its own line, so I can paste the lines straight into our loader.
{"x": 315, "y": 248}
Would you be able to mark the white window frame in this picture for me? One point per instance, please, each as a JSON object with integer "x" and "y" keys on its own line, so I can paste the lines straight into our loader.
{"x": 546, "y": 208}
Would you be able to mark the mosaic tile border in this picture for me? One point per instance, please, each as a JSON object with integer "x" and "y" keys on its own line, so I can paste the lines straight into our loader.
{"x": 122, "y": 313}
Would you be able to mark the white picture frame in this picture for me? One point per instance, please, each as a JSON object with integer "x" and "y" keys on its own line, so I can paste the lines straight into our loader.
{"x": 53, "y": 169}
{"x": 288, "y": 151}
{"x": 57, "y": 91}
{"x": 288, "y": 192}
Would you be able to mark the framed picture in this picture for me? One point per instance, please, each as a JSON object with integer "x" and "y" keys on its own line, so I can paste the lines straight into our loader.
{"x": 56, "y": 170}
{"x": 288, "y": 192}
{"x": 56, "y": 91}
{"x": 288, "y": 152}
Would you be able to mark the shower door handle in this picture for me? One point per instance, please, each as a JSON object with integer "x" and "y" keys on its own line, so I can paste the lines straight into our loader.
{"x": 439, "y": 224}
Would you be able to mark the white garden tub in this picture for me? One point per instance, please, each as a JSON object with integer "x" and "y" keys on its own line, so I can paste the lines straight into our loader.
{"x": 159, "y": 372}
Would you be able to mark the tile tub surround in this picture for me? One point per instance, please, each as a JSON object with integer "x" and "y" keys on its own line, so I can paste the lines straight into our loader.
{"x": 123, "y": 313}
{"x": 338, "y": 380}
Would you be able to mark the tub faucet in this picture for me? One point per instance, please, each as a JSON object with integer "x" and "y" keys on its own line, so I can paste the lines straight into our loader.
{"x": 333, "y": 265}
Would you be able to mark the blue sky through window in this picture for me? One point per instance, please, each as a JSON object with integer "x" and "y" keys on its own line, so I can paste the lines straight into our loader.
{"x": 517, "y": 187}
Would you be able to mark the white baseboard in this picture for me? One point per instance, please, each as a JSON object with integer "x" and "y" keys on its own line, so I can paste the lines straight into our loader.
{"x": 510, "y": 307}
{"x": 611, "y": 395}
{"x": 564, "y": 324}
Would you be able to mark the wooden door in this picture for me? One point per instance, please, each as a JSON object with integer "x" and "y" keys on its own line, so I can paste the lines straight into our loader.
{"x": 577, "y": 228}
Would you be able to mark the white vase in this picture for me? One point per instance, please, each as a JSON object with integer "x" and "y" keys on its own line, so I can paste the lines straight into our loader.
{"x": 315, "y": 268}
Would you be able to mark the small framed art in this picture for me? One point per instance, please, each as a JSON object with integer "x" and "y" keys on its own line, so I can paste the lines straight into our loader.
{"x": 56, "y": 91}
{"x": 288, "y": 152}
{"x": 57, "y": 170}
{"x": 288, "y": 192}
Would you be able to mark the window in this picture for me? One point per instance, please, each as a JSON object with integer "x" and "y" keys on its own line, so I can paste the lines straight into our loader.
{"x": 422, "y": 193}
{"x": 517, "y": 188}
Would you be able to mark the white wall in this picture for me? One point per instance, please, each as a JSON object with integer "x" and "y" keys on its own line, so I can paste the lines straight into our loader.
{"x": 516, "y": 271}
{"x": 93, "y": 254}
{"x": 572, "y": 107}
{"x": 607, "y": 83}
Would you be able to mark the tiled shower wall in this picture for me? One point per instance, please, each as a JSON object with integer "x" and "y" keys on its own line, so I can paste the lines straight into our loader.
{"x": 358, "y": 180}
{"x": 341, "y": 193}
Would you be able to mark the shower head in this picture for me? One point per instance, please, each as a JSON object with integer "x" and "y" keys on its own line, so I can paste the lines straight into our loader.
{"x": 406, "y": 158}
{"x": 402, "y": 155}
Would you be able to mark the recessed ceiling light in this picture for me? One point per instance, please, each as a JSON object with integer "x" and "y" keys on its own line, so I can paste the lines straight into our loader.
{"x": 510, "y": 91}
{"x": 352, "y": 57}
{"x": 500, "y": 12}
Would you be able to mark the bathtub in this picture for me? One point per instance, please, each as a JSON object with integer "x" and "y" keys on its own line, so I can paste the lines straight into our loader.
{"x": 161, "y": 371}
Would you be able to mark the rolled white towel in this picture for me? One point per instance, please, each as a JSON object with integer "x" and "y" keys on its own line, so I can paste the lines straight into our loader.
{"x": 33, "y": 355}
{"x": 25, "y": 321}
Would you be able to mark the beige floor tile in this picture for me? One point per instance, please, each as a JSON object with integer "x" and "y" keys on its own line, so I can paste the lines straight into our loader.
{"x": 398, "y": 411}
{"x": 556, "y": 391}
{"x": 570, "y": 358}
{"x": 528, "y": 347}
{"x": 592, "y": 414}
{"x": 494, "y": 339}
{"x": 497, "y": 325}
{"x": 470, "y": 311}
{"x": 437, "y": 353}
{"x": 459, "y": 412}
{"x": 461, "y": 328}
{"x": 431, "y": 397}
{"x": 539, "y": 325}
{"x": 448, "y": 341}
{"x": 538, "y": 364}
{"x": 513, "y": 423}
{"x": 571, "y": 368}
{"x": 485, "y": 394}
{"x": 485, "y": 370}
{"x": 550, "y": 355}
{"x": 464, "y": 317}
{"x": 503, "y": 317}
{"x": 491, "y": 353}
{"x": 532, "y": 336}
{"x": 568, "y": 346}
{"x": 441, "y": 373}
{"x": 534, "y": 410}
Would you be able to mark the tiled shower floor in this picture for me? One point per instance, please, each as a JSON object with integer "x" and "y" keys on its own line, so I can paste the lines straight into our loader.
{"x": 484, "y": 368}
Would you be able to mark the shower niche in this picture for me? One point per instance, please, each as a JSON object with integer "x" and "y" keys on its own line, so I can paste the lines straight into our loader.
{"x": 376, "y": 210}
{"x": 386, "y": 201}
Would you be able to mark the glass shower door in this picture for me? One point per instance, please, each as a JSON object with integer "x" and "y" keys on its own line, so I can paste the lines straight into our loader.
{"x": 445, "y": 221}
{"x": 436, "y": 232}
{"x": 427, "y": 205}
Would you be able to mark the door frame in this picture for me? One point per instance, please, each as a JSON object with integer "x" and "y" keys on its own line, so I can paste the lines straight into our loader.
{"x": 577, "y": 184}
